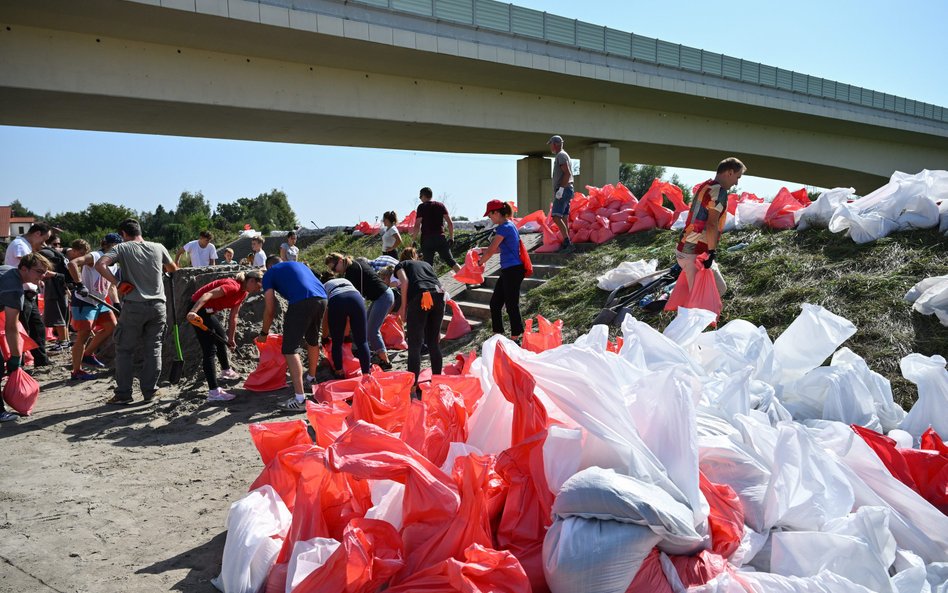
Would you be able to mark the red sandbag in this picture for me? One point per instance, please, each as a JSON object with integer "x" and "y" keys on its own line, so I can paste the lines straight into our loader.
{"x": 430, "y": 502}
{"x": 692, "y": 571}
{"x": 338, "y": 390}
{"x": 469, "y": 386}
{"x": 884, "y": 447}
{"x": 462, "y": 364}
{"x": 932, "y": 442}
{"x": 625, "y": 195}
{"x": 407, "y": 225}
{"x": 779, "y": 214}
{"x": 527, "y": 510}
{"x": 383, "y": 400}
{"x": 802, "y": 197}
{"x": 24, "y": 340}
{"x": 328, "y": 420}
{"x": 272, "y": 437}
{"x": 552, "y": 241}
{"x": 619, "y": 228}
{"x": 614, "y": 346}
{"x": 924, "y": 471}
{"x": 680, "y": 295}
{"x": 726, "y": 519}
{"x": 368, "y": 229}
{"x": 458, "y": 326}
{"x": 641, "y": 222}
{"x": 21, "y": 392}
{"x": 481, "y": 570}
{"x": 445, "y": 423}
{"x": 270, "y": 374}
{"x": 538, "y": 216}
{"x": 600, "y": 236}
{"x": 371, "y": 552}
{"x": 350, "y": 363}
{"x": 393, "y": 333}
{"x": 621, "y": 215}
{"x": 471, "y": 272}
{"x": 548, "y": 335}
{"x": 705, "y": 295}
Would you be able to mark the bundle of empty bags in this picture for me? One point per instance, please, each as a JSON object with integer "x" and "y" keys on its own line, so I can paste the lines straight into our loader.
{"x": 689, "y": 460}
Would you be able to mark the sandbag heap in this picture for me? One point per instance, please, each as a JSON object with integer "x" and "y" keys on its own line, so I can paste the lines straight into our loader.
{"x": 930, "y": 297}
{"x": 717, "y": 461}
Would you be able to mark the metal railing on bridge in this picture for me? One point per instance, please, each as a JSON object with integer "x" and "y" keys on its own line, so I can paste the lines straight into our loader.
{"x": 516, "y": 20}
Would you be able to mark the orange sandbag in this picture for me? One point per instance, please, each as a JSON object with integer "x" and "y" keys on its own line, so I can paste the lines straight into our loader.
{"x": 705, "y": 295}
{"x": 272, "y": 437}
{"x": 600, "y": 236}
{"x": 641, "y": 222}
{"x": 328, "y": 420}
{"x": 528, "y": 508}
{"x": 552, "y": 241}
{"x": 471, "y": 272}
{"x": 458, "y": 326}
{"x": 21, "y": 392}
{"x": 350, "y": 363}
{"x": 625, "y": 195}
{"x": 393, "y": 333}
{"x": 25, "y": 341}
{"x": 383, "y": 401}
{"x": 270, "y": 374}
{"x": 548, "y": 335}
{"x": 726, "y": 520}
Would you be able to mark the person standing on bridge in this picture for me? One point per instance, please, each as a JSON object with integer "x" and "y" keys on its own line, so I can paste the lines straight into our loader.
{"x": 429, "y": 230}
{"x": 706, "y": 220}
{"x": 562, "y": 190}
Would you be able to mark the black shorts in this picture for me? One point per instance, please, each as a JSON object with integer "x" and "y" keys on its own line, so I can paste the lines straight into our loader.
{"x": 302, "y": 320}
{"x": 55, "y": 307}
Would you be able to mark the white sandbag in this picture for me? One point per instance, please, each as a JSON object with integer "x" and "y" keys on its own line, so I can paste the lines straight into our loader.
{"x": 724, "y": 461}
{"x": 306, "y": 557}
{"x": 679, "y": 223}
{"x": 490, "y": 426}
{"x": 644, "y": 345}
{"x": 626, "y": 274}
{"x": 750, "y": 214}
{"x": 387, "y": 501}
{"x": 890, "y": 414}
{"x": 916, "y": 524}
{"x": 903, "y": 440}
{"x": 688, "y": 325}
{"x": 562, "y": 455}
{"x": 456, "y": 450}
{"x": 930, "y": 376}
{"x": 812, "y": 337}
{"x": 910, "y": 575}
{"x": 930, "y": 297}
{"x": 825, "y": 582}
{"x": 594, "y": 556}
{"x": 938, "y": 577}
{"x": 597, "y": 493}
{"x": 256, "y": 526}
{"x": 808, "y": 553}
{"x": 727, "y": 395}
{"x": 751, "y": 543}
{"x": 943, "y": 216}
{"x": 596, "y": 339}
{"x": 819, "y": 213}
{"x": 530, "y": 227}
{"x": 737, "y": 345}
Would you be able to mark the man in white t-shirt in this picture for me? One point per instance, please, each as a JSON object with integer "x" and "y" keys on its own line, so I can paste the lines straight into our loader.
{"x": 34, "y": 240}
{"x": 201, "y": 252}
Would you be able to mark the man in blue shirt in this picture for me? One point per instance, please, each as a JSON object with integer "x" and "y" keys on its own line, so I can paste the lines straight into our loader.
{"x": 306, "y": 297}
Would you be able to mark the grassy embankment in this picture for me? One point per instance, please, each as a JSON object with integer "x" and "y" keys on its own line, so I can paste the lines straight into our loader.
{"x": 768, "y": 281}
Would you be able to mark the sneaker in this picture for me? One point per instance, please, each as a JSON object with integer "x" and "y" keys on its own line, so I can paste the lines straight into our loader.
{"x": 310, "y": 379}
{"x": 81, "y": 375}
{"x": 219, "y": 395}
{"x": 119, "y": 401}
{"x": 291, "y": 405}
{"x": 153, "y": 396}
{"x": 385, "y": 366}
{"x": 230, "y": 375}
{"x": 92, "y": 361}
{"x": 6, "y": 416}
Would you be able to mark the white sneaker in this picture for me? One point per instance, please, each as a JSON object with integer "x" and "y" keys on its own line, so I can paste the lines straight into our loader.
{"x": 219, "y": 395}
{"x": 292, "y": 405}
{"x": 230, "y": 375}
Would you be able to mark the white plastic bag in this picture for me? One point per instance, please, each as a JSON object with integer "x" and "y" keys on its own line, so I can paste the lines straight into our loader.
{"x": 750, "y": 214}
{"x": 929, "y": 374}
{"x": 930, "y": 297}
{"x": 688, "y": 325}
{"x": 807, "y": 553}
{"x": 812, "y": 337}
{"x": 819, "y": 213}
{"x": 387, "y": 502}
{"x": 306, "y": 557}
{"x": 256, "y": 526}
{"x": 626, "y": 273}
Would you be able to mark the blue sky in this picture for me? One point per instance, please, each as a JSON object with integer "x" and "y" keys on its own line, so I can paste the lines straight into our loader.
{"x": 894, "y": 48}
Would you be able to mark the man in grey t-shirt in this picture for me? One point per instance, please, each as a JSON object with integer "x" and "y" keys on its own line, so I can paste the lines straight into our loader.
{"x": 142, "y": 321}
{"x": 562, "y": 189}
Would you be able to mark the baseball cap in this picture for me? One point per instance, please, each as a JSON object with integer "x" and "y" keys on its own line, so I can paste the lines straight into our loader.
{"x": 555, "y": 140}
{"x": 112, "y": 239}
{"x": 494, "y": 205}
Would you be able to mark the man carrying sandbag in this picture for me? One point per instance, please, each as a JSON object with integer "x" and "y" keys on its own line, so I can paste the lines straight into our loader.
{"x": 706, "y": 220}
{"x": 32, "y": 268}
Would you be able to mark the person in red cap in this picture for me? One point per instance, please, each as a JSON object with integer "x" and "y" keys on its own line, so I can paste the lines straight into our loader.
{"x": 506, "y": 241}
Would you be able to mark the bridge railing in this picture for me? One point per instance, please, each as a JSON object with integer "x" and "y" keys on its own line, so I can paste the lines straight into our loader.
{"x": 526, "y": 22}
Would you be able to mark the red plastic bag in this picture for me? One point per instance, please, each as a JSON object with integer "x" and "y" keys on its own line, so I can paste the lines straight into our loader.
{"x": 393, "y": 333}
{"x": 933, "y": 442}
{"x": 350, "y": 364}
{"x": 383, "y": 399}
{"x": 430, "y": 501}
{"x": 21, "y": 392}
{"x": 481, "y": 570}
{"x": 726, "y": 519}
{"x": 780, "y": 212}
{"x": 525, "y": 260}
{"x": 335, "y": 391}
{"x": 552, "y": 241}
{"x": 25, "y": 341}
{"x": 538, "y": 217}
{"x": 270, "y": 374}
{"x": 459, "y": 325}
{"x": 680, "y": 295}
{"x": 529, "y": 503}
{"x": 368, "y": 229}
{"x": 471, "y": 272}
{"x": 407, "y": 225}
{"x": 924, "y": 471}
{"x": 328, "y": 420}
{"x": 272, "y": 437}
{"x": 468, "y": 386}
{"x": 705, "y": 294}
{"x": 445, "y": 423}
{"x": 548, "y": 335}
{"x": 462, "y": 364}
{"x": 692, "y": 571}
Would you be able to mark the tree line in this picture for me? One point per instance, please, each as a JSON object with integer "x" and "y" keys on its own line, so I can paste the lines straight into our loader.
{"x": 173, "y": 228}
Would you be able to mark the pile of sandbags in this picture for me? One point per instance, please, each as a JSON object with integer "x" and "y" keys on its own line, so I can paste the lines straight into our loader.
{"x": 930, "y": 297}
{"x": 714, "y": 461}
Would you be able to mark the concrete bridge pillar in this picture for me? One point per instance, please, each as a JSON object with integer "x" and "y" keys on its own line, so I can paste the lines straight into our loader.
{"x": 534, "y": 185}
{"x": 599, "y": 166}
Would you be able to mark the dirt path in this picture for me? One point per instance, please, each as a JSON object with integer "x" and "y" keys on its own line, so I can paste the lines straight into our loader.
{"x": 99, "y": 499}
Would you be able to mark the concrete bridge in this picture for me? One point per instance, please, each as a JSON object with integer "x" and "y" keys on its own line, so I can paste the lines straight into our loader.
{"x": 474, "y": 76}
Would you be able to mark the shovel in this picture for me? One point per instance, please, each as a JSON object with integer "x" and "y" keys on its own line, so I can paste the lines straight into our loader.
{"x": 99, "y": 300}
{"x": 177, "y": 367}
{"x": 199, "y": 323}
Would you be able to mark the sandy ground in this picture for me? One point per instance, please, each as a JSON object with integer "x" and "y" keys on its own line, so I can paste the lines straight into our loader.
{"x": 97, "y": 498}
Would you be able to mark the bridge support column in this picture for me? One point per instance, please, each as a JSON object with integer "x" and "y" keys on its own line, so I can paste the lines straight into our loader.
{"x": 599, "y": 166}
{"x": 534, "y": 186}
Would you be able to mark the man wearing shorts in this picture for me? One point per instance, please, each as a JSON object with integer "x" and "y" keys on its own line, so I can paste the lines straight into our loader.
{"x": 562, "y": 190}
{"x": 306, "y": 297}
{"x": 431, "y": 216}
{"x": 86, "y": 312}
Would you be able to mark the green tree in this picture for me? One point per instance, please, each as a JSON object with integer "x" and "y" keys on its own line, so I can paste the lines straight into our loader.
{"x": 18, "y": 209}
{"x": 190, "y": 204}
{"x": 638, "y": 178}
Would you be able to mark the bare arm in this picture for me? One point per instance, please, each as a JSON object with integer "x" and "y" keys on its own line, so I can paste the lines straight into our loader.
{"x": 177, "y": 256}
{"x": 232, "y": 326}
{"x": 269, "y": 307}
{"x": 416, "y": 232}
{"x": 204, "y": 298}
{"x": 172, "y": 267}
{"x": 102, "y": 267}
{"x": 492, "y": 249}
{"x": 403, "y": 280}
{"x": 75, "y": 266}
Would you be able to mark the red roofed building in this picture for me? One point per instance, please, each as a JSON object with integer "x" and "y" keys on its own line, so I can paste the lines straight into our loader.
{"x": 13, "y": 226}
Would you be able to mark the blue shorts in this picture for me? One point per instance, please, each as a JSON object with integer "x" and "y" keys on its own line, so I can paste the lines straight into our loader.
{"x": 561, "y": 206}
{"x": 88, "y": 312}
